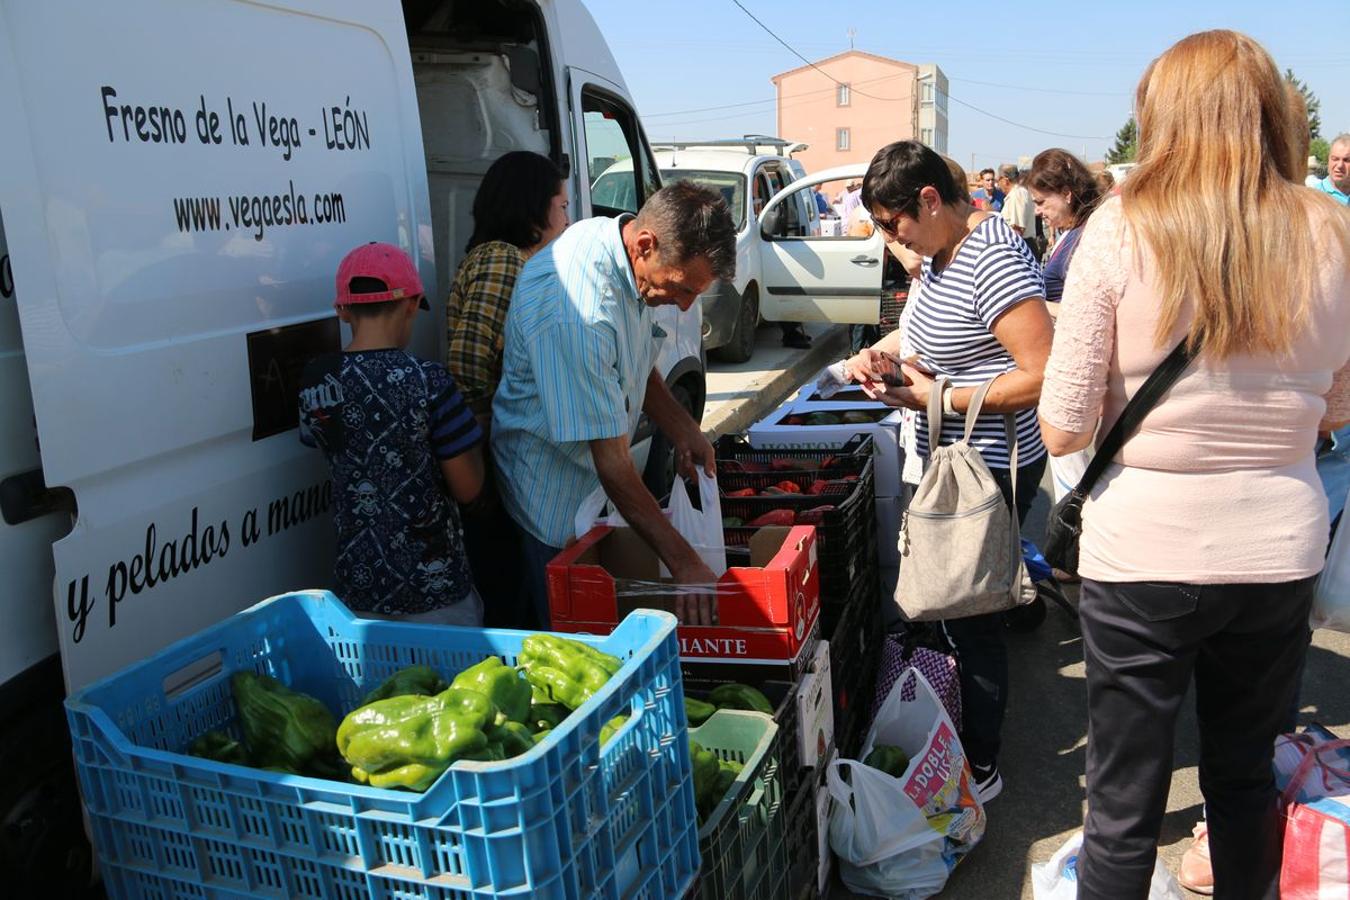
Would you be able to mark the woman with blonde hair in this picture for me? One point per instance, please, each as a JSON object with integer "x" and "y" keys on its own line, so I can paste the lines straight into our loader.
{"x": 1202, "y": 540}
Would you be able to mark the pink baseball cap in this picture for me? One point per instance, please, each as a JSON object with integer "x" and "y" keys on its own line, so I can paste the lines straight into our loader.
{"x": 380, "y": 262}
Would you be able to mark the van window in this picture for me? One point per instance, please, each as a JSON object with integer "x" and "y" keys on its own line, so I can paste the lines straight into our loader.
{"x": 613, "y": 142}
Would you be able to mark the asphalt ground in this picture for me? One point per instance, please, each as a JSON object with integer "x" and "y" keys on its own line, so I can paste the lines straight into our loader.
{"x": 1045, "y": 737}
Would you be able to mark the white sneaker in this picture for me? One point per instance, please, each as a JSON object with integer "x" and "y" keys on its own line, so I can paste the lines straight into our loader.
{"x": 988, "y": 782}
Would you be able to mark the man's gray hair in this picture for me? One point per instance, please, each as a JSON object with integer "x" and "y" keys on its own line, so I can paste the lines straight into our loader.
{"x": 691, "y": 221}
{"x": 1009, "y": 171}
{"x": 1340, "y": 139}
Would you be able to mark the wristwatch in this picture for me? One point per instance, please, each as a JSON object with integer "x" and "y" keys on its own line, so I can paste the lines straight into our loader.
{"x": 947, "y": 408}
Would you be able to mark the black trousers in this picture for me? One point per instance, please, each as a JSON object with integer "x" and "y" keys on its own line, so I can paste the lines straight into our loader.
{"x": 982, "y": 649}
{"x": 1244, "y": 645}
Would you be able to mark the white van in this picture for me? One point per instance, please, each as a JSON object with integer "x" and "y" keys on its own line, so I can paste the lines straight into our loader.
{"x": 178, "y": 182}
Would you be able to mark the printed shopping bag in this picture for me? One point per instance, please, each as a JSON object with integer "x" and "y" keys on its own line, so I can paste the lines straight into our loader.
{"x": 1058, "y": 878}
{"x": 1312, "y": 770}
{"x": 902, "y": 837}
{"x": 923, "y": 647}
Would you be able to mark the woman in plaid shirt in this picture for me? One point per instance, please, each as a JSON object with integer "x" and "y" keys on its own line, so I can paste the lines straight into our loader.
{"x": 520, "y": 206}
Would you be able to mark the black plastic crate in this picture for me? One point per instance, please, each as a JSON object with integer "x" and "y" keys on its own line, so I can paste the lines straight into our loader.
{"x": 734, "y": 454}
{"x": 783, "y": 696}
{"x": 855, "y": 653}
{"x": 803, "y": 843}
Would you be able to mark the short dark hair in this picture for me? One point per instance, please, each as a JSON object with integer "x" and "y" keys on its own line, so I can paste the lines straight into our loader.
{"x": 1055, "y": 170}
{"x": 513, "y": 200}
{"x": 1009, "y": 171}
{"x": 364, "y": 284}
{"x": 899, "y": 171}
{"x": 984, "y": 172}
{"x": 691, "y": 221}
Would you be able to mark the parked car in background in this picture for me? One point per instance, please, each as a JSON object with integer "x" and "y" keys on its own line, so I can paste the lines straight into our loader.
{"x": 746, "y": 172}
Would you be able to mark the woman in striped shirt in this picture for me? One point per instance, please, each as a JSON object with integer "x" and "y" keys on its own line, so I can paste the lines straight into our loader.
{"x": 983, "y": 316}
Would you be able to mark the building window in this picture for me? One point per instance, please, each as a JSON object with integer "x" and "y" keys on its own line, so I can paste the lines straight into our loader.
{"x": 841, "y": 95}
{"x": 841, "y": 139}
{"x": 927, "y": 92}
{"x": 926, "y": 136}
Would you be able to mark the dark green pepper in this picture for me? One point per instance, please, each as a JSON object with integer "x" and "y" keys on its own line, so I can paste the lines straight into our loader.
{"x": 740, "y": 696}
{"x": 546, "y": 716}
{"x": 421, "y": 680}
{"x": 409, "y": 741}
{"x": 219, "y": 746}
{"x": 565, "y": 671}
{"x": 696, "y": 711}
{"x": 540, "y": 735}
{"x": 513, "y": 737}
{"x": 501, "y": 684}
{"x": 284, "y": 729}
{"x": 891, "y": 760}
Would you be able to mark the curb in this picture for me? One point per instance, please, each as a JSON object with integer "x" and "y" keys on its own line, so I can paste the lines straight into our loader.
{"x": 764, "y": 396}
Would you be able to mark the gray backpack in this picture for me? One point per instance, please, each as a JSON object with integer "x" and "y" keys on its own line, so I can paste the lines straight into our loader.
{"x": 960, "y": 544}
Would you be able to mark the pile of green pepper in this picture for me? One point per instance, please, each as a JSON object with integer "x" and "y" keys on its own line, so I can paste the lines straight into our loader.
{"x": 411, "y": 728}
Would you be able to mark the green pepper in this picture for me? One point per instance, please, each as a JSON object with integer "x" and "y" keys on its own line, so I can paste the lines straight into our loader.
{"x": 696, "y": 711}
{"x": 706, "y": 769}
{"x": 891, "y": 760}
{"x": 219, "y": 746}
{"x": 546, "y": 716}
{"x": 513, "y": 737}
{"x": 565, "y": 671}
{"x": 501, "y": 684}
{"x": 727, "y": 772}
{"x": 611, "y": 728}
{"x": 284, "y": 729}
{"x": 740, "y": 696}
{"x": 409, "y": 741}
{"x": 540, "y": 735}
{"x": 421, "y": 680}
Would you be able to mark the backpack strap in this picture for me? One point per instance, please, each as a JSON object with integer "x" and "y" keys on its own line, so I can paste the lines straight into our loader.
{"x": 935, "y": 412}
{"x": 1010, "y": 433}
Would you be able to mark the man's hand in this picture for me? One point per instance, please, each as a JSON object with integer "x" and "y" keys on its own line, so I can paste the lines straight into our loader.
{"x": 693, "y": 450}
{"x": 692, "y": 605}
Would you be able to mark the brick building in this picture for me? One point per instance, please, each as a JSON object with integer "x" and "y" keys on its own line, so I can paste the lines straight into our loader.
{"x": 861, "y": 103}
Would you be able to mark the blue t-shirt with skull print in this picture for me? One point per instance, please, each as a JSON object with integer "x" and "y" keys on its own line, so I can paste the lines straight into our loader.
{"x": 384, "y": 420}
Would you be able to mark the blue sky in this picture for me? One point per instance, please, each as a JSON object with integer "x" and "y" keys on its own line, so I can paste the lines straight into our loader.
{"x": 1082, "y": 60}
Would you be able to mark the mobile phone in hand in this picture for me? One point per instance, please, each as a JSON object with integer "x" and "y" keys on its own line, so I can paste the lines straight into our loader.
{"x": 894, "y": 376}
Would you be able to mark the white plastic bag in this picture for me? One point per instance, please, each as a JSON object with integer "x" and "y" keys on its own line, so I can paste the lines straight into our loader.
{"x": 702, "y": 528}
{"x": 1058, "y": 878}
{"x": 1331, "y": 599}
{"x": 902, "y": 837}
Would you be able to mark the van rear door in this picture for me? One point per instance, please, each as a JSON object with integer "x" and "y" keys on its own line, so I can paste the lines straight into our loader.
{"x": 178, "y": 182}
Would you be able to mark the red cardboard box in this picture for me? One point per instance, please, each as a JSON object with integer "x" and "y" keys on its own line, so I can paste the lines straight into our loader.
{"x": 766, "y": 611}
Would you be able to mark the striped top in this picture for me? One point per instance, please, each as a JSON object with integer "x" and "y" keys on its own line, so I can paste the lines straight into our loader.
{"x": 950, "y": 330}
{"x": 580, "y": 344}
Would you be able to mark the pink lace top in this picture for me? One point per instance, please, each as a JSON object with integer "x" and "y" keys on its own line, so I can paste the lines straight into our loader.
{"x": 1219, "y": 483}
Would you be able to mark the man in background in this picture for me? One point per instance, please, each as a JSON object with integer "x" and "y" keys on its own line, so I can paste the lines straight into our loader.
{"x": 988, "y": 196}
{"x": 1337, "y": 182}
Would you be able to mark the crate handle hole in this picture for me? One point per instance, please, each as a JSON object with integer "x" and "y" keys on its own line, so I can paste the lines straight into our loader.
{"x": 200, "y": 671}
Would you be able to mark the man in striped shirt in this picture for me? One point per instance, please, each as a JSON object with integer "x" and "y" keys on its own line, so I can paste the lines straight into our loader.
{"x": 578, "y": 373}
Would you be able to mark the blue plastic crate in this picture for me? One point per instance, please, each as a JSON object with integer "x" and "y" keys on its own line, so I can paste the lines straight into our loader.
{"x": 565, "y": 820}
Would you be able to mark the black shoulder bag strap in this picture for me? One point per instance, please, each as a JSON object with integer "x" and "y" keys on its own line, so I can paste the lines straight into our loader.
{"x": 1065, "y": 524}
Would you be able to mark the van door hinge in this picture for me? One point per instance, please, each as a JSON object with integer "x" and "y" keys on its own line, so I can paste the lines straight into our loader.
{"x": 26, "y": 496}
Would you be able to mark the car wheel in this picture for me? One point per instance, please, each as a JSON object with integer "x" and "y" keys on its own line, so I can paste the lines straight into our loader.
{"x": 742, "y": 344}
{"x": 660, "y": 472}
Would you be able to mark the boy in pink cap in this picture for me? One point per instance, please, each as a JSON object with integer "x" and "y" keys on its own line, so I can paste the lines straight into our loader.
{"x": 403, "y": 448}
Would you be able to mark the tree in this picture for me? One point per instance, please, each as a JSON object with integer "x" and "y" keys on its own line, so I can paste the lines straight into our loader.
{"x": 1310, "y": 100}
{"x": 1127, "y": 144}
{"x": 1320, "y": 148}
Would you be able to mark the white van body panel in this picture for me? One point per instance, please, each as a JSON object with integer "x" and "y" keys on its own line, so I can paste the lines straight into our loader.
{"x": 136, "y": 320}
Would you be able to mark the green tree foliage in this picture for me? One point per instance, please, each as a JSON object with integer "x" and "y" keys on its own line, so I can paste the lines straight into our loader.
{"x": 1127, "y": 144}
{"x": 1314, "y": 105}
{"x": 1320, "y": 148}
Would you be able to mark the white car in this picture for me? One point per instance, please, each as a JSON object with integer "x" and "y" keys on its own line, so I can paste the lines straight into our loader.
{"x": 748, "y": 172}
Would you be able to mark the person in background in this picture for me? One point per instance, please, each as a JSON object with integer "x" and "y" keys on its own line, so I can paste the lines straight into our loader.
{"x": 981, "y": 316}
{"x": 1179, "y": 581}
{"x": 1106, "y": 183}
{"x": 578, "y": 374}
{"x": 521, "y": 206}
{"x": 987, "y": 195}
{"x": 1064, "y": 194}
{"x": 822, "y": 203}
{"x": 402, "y": 448}
{"x": 1337, "y": 183}
{"x": 1019, "y": 211}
